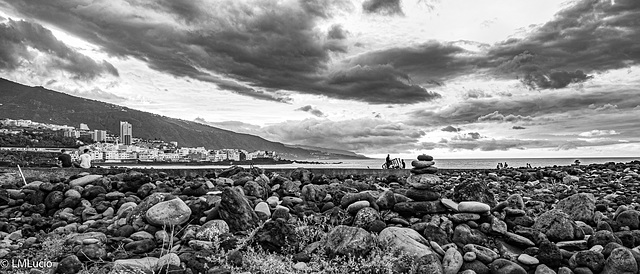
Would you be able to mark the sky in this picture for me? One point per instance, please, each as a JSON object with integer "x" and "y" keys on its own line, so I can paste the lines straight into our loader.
{"x": 454, "y": 78}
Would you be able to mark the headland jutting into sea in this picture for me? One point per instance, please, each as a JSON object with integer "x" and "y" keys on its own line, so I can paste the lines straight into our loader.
{"x": 563, "y": 219}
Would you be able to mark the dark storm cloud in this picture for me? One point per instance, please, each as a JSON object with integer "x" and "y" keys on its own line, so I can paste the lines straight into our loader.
{"x": 380, "y": 84}
{"x": 17, "y": 37}
{"x": 429, "y": 63}
{"x": 554, "y": 80}
{"x": 589, "y": 35}
{"x": 450, "y": 129}
{"x": 384, "y": 7}
{"x": 336, "y": 32}
{"x": 312, "y": 110}
{"x": 265, "y": 46}
{"x": 525, "y": 108}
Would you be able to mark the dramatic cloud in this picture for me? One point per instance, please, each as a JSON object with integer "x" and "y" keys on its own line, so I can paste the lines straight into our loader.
{"x": 598, "y": 133}
{"x": 27, "y": 45}
{"x": 450, "y": 129}
{"x": 497, "y": 116}
{"x": 312, "y": 110}
{"x": 524, "y": 108}
{"x": 605, "y": 107}
{"x": 475, "y": 94}
{"x": 430, "y": 63}
{"x": 379, "y": 84}
{"x": 555, "y": 80}
{"x": 336, "y": 32}
{"x": 385, "y": 7}
{"x": 588, "y": 36}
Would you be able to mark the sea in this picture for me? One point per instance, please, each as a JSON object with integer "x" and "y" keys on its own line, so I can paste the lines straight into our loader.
{"x": 439, "y": 163}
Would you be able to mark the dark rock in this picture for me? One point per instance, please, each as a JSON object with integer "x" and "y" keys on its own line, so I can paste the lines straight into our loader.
{"x": 419, "y": 208}
{"x": 503, "y": 266}
{"x": 313, "y": 193}
{"x": 436, "y": 234}
{"x": 346, "y": 240}
{"x": 365, "y": 217}
{"x": 549, "y": 254}
{"x": 587, "y": 258}
{"x": 69, "y": 265}
{"x": 621, "y": 261}
{"x": 254, "y": 189}
{"x": 422, "y": 194}
{"x": 476, "y": 266}
{"x": 236, "y": 210}
{"x": 276, "y": 235}
{"x": 429, "y": 264}
{"x": 630, "y": 218}
{"x": 301, "y": 174}
{"x": 93, "y": 191}
{"x": 602, "y": 237}
{"x": 463, "y": 235}
{"x": 474, "y": 191}
{"x": 386, "y": 200}
{"x": 53, "y": 200}
{"x": 142, "y": 246}
{"x": 558, "y": 226}
{"x": 92, "y": 252}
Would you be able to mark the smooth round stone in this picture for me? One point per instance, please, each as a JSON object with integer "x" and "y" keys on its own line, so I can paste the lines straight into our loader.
{"x": 464, "y": 217}
{"x": 528, "y": 259}
{"x": 90, "y": 241}
{"x": 272, "y": 201}
{"x": 425, "y": 157}
{"x": 141, "y": 235}
{"x": 264, "y": 208}
{"x": 72, "y": 193}
{"x": 473, "y": 207}
{"x": 469, "y": 256}
{"x": 355, "y": 207}
{"x": 422, "y": 164}
{"x": 169, "y": 213}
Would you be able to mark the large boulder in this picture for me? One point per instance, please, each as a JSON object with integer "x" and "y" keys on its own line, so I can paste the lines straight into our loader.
{"x": 141, "y": 209}
{"x": 347, "y": 240}
{"x": 474, "y": 191}
{"x": 580, "y": 206}
{"x": 169, "y": 213}
{"x": 621, "y": 261}
{"x": 275, "y": 235}
{"x": 236, "y": 210}
{"x": 630, "y": 218}
{"x": 558, "y": 226}
{"x": 406, "y": 240}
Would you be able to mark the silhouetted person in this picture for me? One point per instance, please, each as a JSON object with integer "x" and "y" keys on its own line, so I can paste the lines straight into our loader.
{"x": 505, "y": 165}
{"x": 403, "y": 165}
{"x": 388, "y": 161}
{"x": 64, "y": 159}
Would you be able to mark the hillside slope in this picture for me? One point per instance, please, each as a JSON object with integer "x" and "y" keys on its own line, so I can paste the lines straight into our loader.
{"x": 47, "y": 106}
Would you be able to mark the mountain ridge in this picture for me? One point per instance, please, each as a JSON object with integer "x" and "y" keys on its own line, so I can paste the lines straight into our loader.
{"x": 48, "y": 106}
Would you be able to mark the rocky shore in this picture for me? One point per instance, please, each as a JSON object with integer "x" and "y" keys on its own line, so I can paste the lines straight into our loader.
{"x": 575, "y": 219}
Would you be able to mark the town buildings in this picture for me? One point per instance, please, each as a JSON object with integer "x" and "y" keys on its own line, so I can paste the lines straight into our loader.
{"x": 125, "y": 148}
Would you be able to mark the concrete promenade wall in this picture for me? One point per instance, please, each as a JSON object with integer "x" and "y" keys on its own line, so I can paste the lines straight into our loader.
{"x": 45, "y": 173}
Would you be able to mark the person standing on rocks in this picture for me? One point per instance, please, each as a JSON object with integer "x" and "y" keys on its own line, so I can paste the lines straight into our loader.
{"x": 388, "y": 161}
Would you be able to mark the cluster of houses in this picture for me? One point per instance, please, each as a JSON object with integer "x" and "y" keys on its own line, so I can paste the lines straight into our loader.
{"x": 109, "y": 148}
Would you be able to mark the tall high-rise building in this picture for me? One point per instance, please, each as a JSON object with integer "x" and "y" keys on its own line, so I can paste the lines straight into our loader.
{"x": 125, "y": 133}
{"x": 99, "y": 135}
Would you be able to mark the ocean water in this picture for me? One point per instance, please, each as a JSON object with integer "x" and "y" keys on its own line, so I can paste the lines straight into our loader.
{"x": 440, "y": 163}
